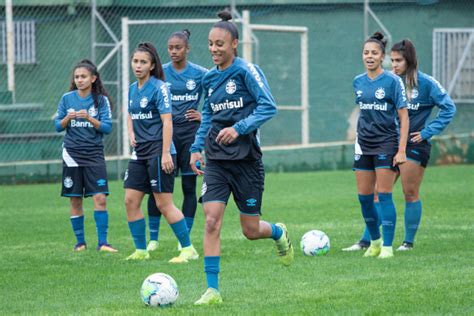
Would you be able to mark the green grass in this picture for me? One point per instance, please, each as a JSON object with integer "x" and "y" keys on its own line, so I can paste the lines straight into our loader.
{"x": 39, "y": 273}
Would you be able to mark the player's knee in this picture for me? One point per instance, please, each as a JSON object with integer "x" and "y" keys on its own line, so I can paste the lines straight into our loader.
{"x": 76, "y": 204}
{"x": 165, "y": 206}
{"x": 250, "y": 233}
{"x": 100, "y": 201}
{"x": 411, "y": 195}
{"x": 131, "y": 204}
{"x": 212, "y": 224}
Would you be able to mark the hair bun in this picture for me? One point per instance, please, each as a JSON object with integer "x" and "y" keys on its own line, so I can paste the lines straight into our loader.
{"x": 187, "y": 33}
{"x": 225, "y": 15}
{"x": 379, "y": 37}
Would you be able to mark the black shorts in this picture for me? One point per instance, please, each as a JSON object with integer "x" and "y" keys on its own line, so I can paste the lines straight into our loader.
{"x": 183, "y": 138}
{"x": 419, "y": 153}
{"x": 84, "y": 181}
{"x": 244, "y": 179}
{"x": 372, "y": 162}
{"x": 147, "y": 176}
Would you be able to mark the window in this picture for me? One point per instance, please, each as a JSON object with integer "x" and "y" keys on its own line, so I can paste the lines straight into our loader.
{"x": 25, "y": 48}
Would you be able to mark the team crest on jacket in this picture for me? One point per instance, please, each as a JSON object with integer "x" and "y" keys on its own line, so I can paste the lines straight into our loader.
{"x": 380, "y": 93}
{"x": 143, "y": 102}
{"x": 230, "y": 87}
{"x": 190, "y": 84}
{"x": 68, "y": 182}
{"x": 92, "y": 111}
{"x": 414, "y": 93}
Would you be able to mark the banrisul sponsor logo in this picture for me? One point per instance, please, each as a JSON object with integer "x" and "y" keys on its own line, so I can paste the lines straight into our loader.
{"x": 413, "y": 106}
{"x": 227, "y": 105}
{"x": 166, "y": 98}
{"x": 75, "y": 123}
{"x": 255, "y": 74}
{"x": 402, "y": 86}
{"x": 373, "y": 106}
{"x": 436, "y": 82}
{"x": 185, "y": 97}
{"x": 141, "y": 116}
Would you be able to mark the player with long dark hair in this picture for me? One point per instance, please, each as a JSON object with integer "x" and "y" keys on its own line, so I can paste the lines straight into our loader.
{"x": 152, "y": 164}
{"x": 184, "y": 79}
{"x": 382, "y": 132}
{"x": 237, "y": 102}
{"x": 85, "y": 114}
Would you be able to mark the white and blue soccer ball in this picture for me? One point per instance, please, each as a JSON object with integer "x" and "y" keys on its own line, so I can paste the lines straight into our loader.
{"x": 159, "y": 290}
{"x": 315, "y": 243}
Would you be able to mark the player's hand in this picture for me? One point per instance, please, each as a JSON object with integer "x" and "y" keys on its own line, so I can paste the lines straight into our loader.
{"x": 195, "y": 161}
{"x": 416, "y": 137}
{"x": 131, "y": 137}
{"x": 71, "y": 115}
{"x": 399, "y": 158}
{"x": 227, "y": 136}
{"x": 193, "y": 115}
{"x": 82, "y": 114}
{"x": 167, "y": 163}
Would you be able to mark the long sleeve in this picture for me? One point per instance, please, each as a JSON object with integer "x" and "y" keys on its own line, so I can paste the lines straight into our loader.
{"x": 105, "y": 117}
{"x": 266, "y": 107}
{"x": 446, "y": 112}
{"x": 60, "y": 114}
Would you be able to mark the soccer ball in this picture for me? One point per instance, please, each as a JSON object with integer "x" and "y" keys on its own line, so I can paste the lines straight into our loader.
{"x": 159, "y": 290}
{"x": 315, "y": 243}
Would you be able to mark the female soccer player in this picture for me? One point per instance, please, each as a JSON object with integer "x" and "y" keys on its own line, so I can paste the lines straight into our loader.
{"x": 84, "y": 113}
{"x": 237, "y": 102}
{"x": 380, "y": 145}
{"x": 151, "y": 166}
{"x": 184, "y": 79}
{"x": 424, "y": 93}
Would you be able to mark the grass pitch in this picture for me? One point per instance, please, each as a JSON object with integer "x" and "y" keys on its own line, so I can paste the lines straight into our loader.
{"x": 40, "y": 274}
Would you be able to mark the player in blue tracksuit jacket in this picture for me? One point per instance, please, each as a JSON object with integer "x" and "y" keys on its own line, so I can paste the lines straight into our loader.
{"x": 151, "y": 166}
{"x": 382, "y": 132}
{"x": 237, "y": 102}
{"x": 185, "y": 81}
{"x": 85, "y": 114}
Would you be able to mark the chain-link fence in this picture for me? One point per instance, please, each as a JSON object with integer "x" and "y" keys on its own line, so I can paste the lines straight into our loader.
{"x": 50, "y": 39}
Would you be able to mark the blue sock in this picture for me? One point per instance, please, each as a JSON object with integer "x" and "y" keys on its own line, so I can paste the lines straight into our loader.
{"x": 389, "y": 218}
{"x": 412, "y": 220}
{"x": 77, "y": 223}
{"x": 102, "y": 223}
{"x": 211, "y": 268}
{"x": 181, "y": 231}
{"x": 137, "y": 229}
{"x": 189, "y": 223}
{"x": 154, "y": 226}
{"x": 276, "y": 231}
{"x": 370, "y": 215}
{"x": 366, "y": 235}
